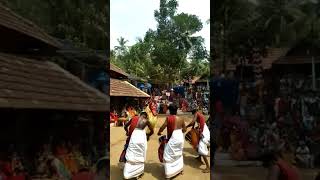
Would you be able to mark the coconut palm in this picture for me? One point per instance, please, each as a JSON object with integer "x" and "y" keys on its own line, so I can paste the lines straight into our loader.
{"x": 121, "y": 49}
{"x": 311, "y": 20}
{"x": 230, "y": 17}
{"x": 279, "y": 19}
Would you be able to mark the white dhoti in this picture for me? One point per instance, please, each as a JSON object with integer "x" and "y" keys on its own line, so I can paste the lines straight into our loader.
{"x": 204, "y": 142}
{"x": 135, "y": 154}
{"x": 173, "y": 154}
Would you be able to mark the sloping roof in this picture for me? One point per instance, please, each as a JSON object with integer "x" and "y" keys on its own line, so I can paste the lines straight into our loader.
{"x": 125, "y": 89}
{"x": 297, "y": 60}
{"x": 117, "y": 70}
{"x": 195, "y": 79}
{"x": 11, "y": 20}
{"x": 273, "y": 54}
{"x": 32, "y": 84}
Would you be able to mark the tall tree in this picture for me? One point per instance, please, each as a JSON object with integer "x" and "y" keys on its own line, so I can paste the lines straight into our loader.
{"x": 161, "y": 55}
{"x": 173, "y": 41}
{"x": 279, "y": 19}
{"x": 83, "y": 22}
{"x": 122, "y": 48}
{"x": 311, "y": 21}
{"x": 229, "y": 18}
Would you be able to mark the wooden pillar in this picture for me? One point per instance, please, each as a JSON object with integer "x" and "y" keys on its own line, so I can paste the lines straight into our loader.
{"x": 313, "y": 75}
{"x": 21, "y": 136}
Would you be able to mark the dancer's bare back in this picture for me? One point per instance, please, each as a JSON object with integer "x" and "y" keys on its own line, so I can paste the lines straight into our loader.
{"x": 142, "y": 123}
{"x": 180, "y": 124}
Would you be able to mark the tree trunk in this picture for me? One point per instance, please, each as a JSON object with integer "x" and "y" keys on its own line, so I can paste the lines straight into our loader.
{"x": 224, "y": 39}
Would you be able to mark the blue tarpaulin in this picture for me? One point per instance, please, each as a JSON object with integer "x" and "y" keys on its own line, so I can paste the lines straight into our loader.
{"x": 99, "y": 80}
{"x": 144, "y": 86}
{"x": 179, "y": 90}
{"x": 141, "y": 86}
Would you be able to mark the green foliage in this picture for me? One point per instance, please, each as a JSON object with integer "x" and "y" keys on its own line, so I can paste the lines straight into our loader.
{"x": 83, "y": 22}
{"x": 239, "y": 26}
{"x": 162, "y": 54}
{"x": 196, "y": 68}
{"x": 122, "y": 49}
{"x": 278, "y": 18}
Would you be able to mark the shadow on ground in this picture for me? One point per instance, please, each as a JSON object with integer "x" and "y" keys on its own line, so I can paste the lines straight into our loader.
{"x": 155, "y": 169}
{"x": 115, "y": 171}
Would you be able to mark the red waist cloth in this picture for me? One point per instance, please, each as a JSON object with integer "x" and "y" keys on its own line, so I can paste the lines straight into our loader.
{"x": 287, "y": 172}
{"x": 163, "y": 141}
{"x": 201, "y": 120}
{"x": 171, "y": 122}
{"x": 123, "y": 153}
{"x": 133, "y": 124}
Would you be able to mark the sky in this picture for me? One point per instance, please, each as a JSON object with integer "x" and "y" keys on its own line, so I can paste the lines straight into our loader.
{"x": 131, "y": 19}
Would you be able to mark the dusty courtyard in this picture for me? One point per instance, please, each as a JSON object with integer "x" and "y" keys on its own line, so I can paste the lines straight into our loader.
{"x": 153, "y": 168}
{"x": 192, "y": 168}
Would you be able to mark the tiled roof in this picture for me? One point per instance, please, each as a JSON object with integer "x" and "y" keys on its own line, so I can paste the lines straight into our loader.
{"x": 297, "y": 60}
{"x": 32, "y": 84}
{"x": 195, "y": 79}
{"x": 273, "y": 54}
{"x": 116, "y": 69}
{"x": 11, "y": 20}
{"x": 125, "y": 89}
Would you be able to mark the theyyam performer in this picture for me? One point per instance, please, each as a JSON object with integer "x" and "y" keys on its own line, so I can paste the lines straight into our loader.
{"x": 204, "y": 138}
{"x": 137, "y": 148}
{"x": 173, "y": 150}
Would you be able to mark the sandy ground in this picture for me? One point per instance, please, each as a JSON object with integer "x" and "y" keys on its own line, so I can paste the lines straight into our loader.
{"x": 254, "y": 173}
{"x": 153, "y": 168}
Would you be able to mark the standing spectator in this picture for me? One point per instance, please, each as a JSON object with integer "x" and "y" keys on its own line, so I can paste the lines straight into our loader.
{"x": 304, "y": 156}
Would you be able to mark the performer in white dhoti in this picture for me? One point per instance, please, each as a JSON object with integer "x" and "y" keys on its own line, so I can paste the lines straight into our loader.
{"x": 137, "y": 149}
{"x": 204, "y": 138}
{"x": 173, "y": 150}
